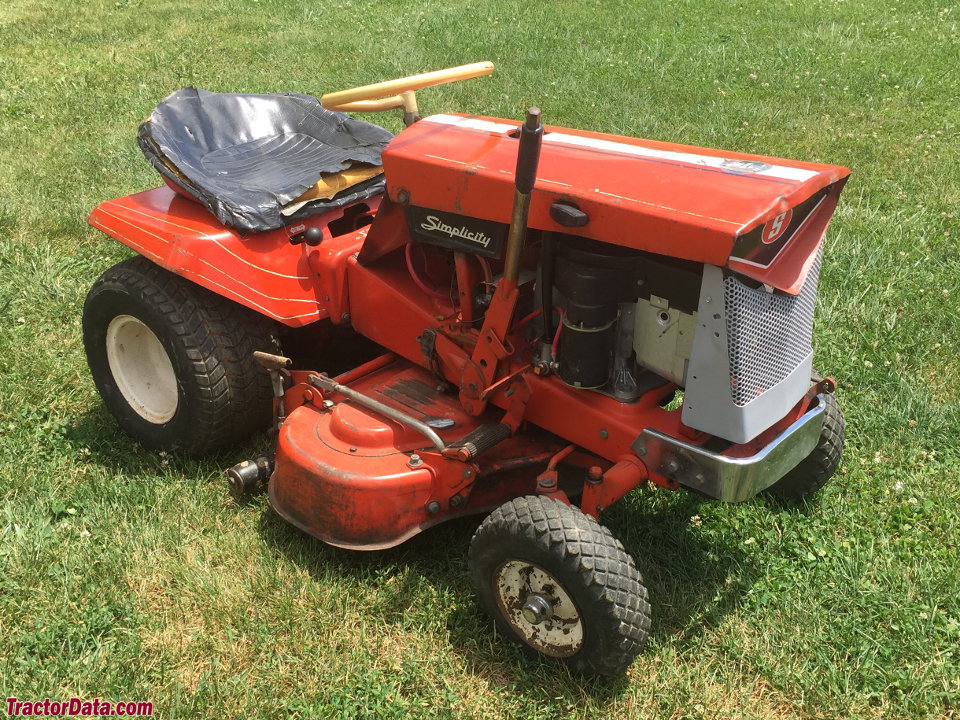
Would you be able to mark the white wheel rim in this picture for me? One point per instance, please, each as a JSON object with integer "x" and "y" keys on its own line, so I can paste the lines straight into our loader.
{"x": 560, "y": 634}
{"x": 142, "y": 369}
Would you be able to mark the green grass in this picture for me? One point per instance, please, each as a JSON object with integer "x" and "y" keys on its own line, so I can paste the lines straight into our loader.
{"x": 128, "y": 575}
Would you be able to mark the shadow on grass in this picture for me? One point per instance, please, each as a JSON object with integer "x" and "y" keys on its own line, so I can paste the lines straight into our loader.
{"x": 439, "y": 557}
{"x": 805, "y": 506}
{"x": 694, "y": 580}
{"x": 104, "y": 443}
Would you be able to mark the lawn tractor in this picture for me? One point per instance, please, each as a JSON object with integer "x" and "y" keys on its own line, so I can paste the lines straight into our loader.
{"x": 559, "y": 316}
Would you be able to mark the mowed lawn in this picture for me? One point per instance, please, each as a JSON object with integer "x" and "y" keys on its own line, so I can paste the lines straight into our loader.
{"x": 127, "y": 575}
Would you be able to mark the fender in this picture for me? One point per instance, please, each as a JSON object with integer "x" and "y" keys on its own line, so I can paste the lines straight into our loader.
{"x": 293, "y": 284}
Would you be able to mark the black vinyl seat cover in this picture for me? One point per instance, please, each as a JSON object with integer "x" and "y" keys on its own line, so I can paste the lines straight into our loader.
{"x": 246, "y": 156}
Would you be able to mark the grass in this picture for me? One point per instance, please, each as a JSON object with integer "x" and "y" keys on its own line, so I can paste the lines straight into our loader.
{"x": 129, "y": 575}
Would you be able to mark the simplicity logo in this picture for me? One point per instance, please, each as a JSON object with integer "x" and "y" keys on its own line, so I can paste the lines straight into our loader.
{"x": 76, "y": 707}
{"x": 434, "y": 224}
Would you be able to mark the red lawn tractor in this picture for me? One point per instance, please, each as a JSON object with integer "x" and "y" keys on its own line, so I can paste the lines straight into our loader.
{"x": 560, "y": 316}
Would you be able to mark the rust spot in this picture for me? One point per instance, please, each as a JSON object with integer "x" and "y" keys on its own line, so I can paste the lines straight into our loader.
{"x": 412, "y": 393}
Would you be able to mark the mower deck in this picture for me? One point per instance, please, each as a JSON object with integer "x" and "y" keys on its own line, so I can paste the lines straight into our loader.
{"x": 357, "y": 479}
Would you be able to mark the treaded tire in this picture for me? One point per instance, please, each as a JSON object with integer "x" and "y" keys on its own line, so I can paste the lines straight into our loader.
{"x": 813, "y": 472}
{"x": 587, "y": 561}
{"x": 223, "y": 395}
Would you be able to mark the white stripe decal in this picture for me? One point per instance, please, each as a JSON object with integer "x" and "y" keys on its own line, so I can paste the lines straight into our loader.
{"x": 472, "y": 123}
{"x": 781, "y": 172}
{"x": 200, "y": 236}
{"x": 159, "y": 260}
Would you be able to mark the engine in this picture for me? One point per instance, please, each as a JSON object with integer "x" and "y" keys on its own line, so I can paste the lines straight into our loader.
{"x": 634, "y": 320}
{"x": 628, "y": 317}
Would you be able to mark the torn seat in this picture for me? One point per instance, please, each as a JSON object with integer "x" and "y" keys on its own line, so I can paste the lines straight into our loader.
{"x": 258, "y": 162}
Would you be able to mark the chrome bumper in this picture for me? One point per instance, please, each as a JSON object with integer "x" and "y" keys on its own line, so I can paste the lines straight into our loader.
{"x": 727, "y": 478}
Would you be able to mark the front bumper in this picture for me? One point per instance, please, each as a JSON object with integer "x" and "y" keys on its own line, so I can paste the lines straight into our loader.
{"x": 727, "y": 478}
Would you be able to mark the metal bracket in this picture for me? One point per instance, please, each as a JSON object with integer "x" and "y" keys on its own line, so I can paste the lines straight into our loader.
{"x": 277, "y": 366}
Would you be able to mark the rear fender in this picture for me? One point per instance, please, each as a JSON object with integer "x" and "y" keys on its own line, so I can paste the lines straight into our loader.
{"x": 293, "y": 284}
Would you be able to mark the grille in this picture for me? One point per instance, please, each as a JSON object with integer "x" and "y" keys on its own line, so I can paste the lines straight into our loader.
{"x": 768, "y": 334}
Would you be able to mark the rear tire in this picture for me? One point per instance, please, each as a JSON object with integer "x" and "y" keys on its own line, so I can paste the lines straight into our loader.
{"x": 813, "y": 472}
{"x": 559, "y": 584}
{"x": 173, "y": 361}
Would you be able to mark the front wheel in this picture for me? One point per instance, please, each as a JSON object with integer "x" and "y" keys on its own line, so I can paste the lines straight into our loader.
{"x": 173, "y": 361}
{"x": 559, "y": 583}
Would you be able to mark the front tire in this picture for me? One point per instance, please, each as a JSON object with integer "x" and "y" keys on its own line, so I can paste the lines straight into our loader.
{"x": 559, "y": 584}
{"x": 173, "y": 361}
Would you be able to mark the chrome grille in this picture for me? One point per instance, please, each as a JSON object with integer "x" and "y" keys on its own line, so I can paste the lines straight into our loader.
{"x": 768, "y": 334}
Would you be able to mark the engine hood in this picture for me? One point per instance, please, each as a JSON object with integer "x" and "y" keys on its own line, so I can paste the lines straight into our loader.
{"x": 760, "y": 216}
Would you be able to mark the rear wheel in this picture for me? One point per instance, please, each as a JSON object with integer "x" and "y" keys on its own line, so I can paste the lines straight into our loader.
{"x": 559, "y": 583}
{"x": 813, "y": 472}
{"x": 173, "y": 361}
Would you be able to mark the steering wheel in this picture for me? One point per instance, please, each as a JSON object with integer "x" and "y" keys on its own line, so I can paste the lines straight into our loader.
{"x": 399, "y": 93}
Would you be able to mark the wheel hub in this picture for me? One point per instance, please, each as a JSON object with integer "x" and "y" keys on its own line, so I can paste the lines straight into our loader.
{"x": 538, "y": 608}
{"x": 142, "y": 369}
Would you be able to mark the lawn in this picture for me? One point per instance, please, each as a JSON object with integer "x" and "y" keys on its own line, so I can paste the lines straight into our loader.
{"x": 127, "y": 575}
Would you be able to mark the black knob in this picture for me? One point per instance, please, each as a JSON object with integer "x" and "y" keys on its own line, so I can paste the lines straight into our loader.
{"x": 528, "y": 155}
{"x": 568, "y": 215}
{"x": 312, "y": 236}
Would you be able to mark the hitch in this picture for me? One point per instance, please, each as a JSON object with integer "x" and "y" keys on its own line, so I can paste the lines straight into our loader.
{"x": 250, "y": 476}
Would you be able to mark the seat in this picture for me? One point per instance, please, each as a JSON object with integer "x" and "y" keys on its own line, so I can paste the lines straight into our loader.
{"x": 259, "y": 162}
